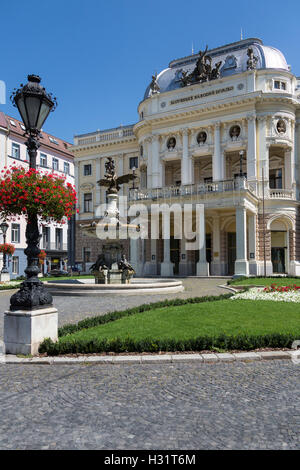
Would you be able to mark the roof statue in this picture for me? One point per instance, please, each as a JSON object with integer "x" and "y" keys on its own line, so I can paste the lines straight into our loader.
{"x": 154, "y": 86}
{"x": 252, "y": 61}
{"x": 111, "y": 180}
{"x": 203, "y": 71}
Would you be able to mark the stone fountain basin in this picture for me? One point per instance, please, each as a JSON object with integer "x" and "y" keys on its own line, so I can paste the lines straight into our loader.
{"x": 87, "y": 287}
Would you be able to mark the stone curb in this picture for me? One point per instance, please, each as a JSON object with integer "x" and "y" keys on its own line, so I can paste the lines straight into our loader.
{"x": 151, "y": 359}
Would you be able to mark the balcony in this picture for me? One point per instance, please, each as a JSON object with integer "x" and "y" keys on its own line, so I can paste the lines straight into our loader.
{"x": 204, "y": 190}
{"x": 281, "y": 194}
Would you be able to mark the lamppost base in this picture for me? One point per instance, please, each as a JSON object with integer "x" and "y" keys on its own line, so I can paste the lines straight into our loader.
{"x": 32, "y": 295}
{"x": 24, "y": 330}
{"x": 4, "y": 277}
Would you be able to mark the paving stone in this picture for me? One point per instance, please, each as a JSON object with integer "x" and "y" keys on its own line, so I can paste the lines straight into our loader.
{"x": 210, "y": 357}
{"x": 225, "y": 357}
{"x": 195, "y": 405}
{"x": 127, "y": 359}
{"x": 149, "y": 359}
{"x": 274, "y": 355}
{"x": 247, "y": 356}
{"x": 187, "y": 358}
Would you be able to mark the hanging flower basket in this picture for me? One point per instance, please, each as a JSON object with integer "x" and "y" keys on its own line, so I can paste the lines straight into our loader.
{"x": 42, "y": 257}
{"x": 24, "y": 192}
{"x": 7, "y": 248}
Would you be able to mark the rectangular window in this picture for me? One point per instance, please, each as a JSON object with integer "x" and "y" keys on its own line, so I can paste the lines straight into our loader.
{"x": 87, "y": 170}
{"x": 55, "y": 163}
{"x": 15, "y": 265}
{"x": 66, "y": 168}
{"x": 275, "y": 178}
{"x": 86, "y": 255}
{"x": 87, "y": 202}
{"x": 43, "y": 160}
{"x": 15, "y": 151}
{"x": 46, "y": 238}
{"x": 133, "y": 162}
{"x": 277, "y": 84}
{"x": 58, "y": 238}
{"x": 15, "y": 233}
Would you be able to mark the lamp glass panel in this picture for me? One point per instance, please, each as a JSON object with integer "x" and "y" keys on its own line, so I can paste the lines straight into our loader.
{"x": 32, "y": 104}
{"x": 22, "y": 111}
{"x": 45, "y": 110}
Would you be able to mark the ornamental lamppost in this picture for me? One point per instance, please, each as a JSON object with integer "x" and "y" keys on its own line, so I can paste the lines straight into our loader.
{"x": 34, "y": 105}
{"x": 4, "y": 226}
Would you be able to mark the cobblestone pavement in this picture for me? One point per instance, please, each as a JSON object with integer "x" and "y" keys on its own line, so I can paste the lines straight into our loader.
{"x": 73, "y": 309}
{"x": 172, "y": 406}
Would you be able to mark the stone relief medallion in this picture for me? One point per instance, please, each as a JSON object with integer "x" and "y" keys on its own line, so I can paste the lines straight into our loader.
{"x": 171, "y": 144}
{"x": 163, "y": 104}
{"x": 240, "y": 86}
{"x": 281, "y": 126}
{"x": 201, "y": 137}
{"x": 234, "y": 132}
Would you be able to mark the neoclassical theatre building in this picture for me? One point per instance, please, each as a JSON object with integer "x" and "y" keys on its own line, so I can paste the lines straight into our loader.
{"x": 218, "y": 128}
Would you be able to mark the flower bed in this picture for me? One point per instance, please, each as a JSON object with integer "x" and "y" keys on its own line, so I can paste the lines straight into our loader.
{"x": 273, "y": 292}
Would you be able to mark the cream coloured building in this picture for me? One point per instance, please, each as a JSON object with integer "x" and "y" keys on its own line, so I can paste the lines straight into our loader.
{"x": 220, "y": 128}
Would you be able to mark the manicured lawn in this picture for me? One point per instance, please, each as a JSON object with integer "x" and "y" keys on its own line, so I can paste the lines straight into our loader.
{"x": 193, "y": 320}
{"x": 266, "y": 281}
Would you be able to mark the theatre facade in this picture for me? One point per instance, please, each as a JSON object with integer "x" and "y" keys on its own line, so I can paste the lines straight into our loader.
{"x": 220, "y": 129}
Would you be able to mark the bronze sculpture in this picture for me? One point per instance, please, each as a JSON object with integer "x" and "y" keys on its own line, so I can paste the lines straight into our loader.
{"x": 111, "y": 180}
{"x": 203, "y": 70}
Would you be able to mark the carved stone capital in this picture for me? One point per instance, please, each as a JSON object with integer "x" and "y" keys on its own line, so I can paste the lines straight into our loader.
{"x": 251, "y": 117}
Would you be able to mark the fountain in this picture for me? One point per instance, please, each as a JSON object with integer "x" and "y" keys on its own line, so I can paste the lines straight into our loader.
{"x": 112, "y": 272}
{"x": 111, "y": 266}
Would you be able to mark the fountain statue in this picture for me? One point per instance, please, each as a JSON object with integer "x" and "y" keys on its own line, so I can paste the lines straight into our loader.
{"x": 111, "y": 266}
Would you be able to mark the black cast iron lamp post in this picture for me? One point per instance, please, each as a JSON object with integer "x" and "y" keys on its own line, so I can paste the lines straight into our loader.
{"x": 4, "y": 227}
{"x": 34, "y": 105}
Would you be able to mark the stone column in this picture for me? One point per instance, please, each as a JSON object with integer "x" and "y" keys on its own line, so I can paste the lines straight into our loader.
{"x": 241, "y": 267}
{"x": 167, "y": 268}
{"x": 253, "y": 269}
{"x": 217, "y": 162}
{"x": 186, "y": 161}
{"x": 263, "y": 153}
{"x": 155, "y": 162}
{"x": 134, "y": 254}
{"x": 202, "y": 268}
{"x": 98, "y": 176}
{"x": 251, "y": 149}
{"x": 289, "y": 165}
{"x": 148, "y": 142}
{"x": 216, "y": 268}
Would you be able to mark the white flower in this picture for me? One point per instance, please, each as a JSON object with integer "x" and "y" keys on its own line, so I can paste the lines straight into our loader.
{"x": 259, "y": 294}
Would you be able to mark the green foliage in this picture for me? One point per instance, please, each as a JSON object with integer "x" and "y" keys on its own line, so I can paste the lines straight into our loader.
{"x": 213, "y": 343}
{"x": 263, "y": 281}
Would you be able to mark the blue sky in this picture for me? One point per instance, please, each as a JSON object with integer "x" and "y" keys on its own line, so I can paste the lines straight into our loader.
{"x": 97, "y": 57}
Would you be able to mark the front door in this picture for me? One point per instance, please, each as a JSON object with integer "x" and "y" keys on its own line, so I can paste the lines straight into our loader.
{"x": 231, "y": 252}
{"x": 175, "y": 254}
{"x": 278, "y": 259}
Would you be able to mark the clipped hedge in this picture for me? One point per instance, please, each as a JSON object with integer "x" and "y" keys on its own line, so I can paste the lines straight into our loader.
{"x": 201, "y": 343}
{"x": 116, "y": 315}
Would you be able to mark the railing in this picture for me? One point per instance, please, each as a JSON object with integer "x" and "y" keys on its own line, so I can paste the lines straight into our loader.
{"x": 108, "y": 136}
{"x": 282, "y": 194}
{"x": 236, "y": 184}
